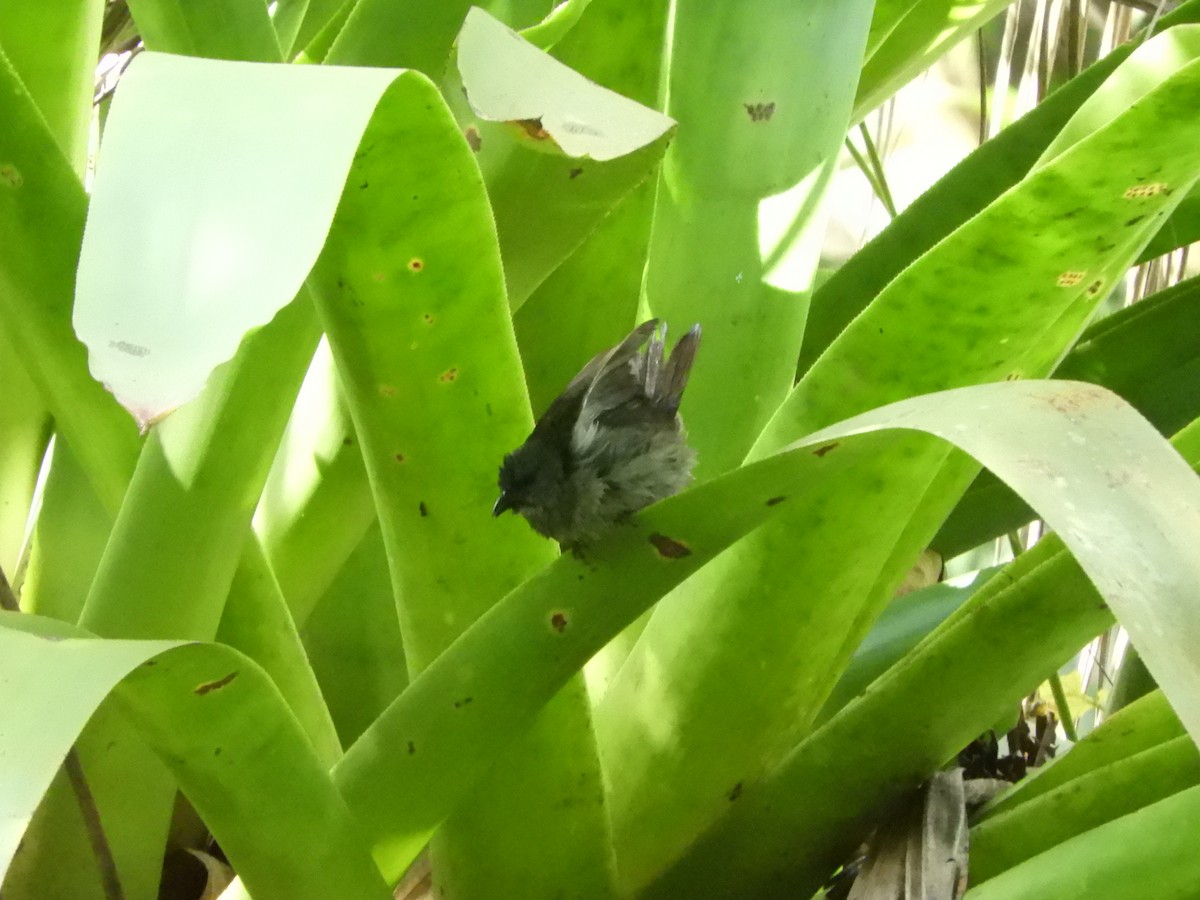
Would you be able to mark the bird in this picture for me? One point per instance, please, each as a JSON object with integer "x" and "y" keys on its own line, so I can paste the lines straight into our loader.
{"x": 609, "y": 445}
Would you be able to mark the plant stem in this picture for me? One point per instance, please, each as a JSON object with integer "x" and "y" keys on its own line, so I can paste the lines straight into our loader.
{"x": 94, "y": 827}
{"x": 1064, "y": 710}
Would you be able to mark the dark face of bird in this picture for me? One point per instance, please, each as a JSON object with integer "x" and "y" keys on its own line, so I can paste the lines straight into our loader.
{"x": 533, "y": 482}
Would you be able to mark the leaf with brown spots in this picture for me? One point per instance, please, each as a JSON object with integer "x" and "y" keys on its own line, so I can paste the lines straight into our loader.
{"x": 669, "y": 548}
{"x": 210, "y": 686}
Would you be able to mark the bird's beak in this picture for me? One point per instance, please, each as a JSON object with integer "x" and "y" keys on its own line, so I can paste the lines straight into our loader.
{"x": 503, "y": 503}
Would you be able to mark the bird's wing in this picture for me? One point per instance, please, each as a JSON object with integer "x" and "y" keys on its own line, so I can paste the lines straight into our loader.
{"x": 617, "y": 373}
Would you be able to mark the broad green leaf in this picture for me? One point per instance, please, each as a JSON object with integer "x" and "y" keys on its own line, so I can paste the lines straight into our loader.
{"x": 42, "y": 208}
{"x": 67, "y": 540}
{"x": 1151, "y": 63}
{"x": 1152, "y": 850}
{"x": 256, "y": 621}
{"x": 415, "y": 34}
{"x": 905, "y": 622}
{"x": 161, "y": 300}
{"x": 353, "y": 639}
{"x": 228, "y": 29}
{"x": 411, "y": 295}
{"x": 53, "y": 49}
{"x": 1030, "y": 267}
{"x": 1001, "y": 297}
{"x": 736, "y": 224}
{"x": 316, "y": 505}
{"x": 1008, "y": 839}
{"x": 1109, "y": 484}
{"x": 990, "y": 653}
{"x": 1148, "y": 353}
{"x": 960, "y": 194}
{"x": 217, "y": 720}
{"x": 176, "y": 544}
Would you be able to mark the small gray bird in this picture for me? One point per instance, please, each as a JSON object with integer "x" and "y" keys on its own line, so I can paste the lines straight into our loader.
{"x": 609, "y": 445}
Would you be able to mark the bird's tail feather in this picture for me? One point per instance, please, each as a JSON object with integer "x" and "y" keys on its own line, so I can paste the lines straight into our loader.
{"x": 674, "y": 377}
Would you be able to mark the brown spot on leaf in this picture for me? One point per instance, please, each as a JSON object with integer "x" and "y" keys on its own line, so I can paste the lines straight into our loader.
{"x": 735, "y": 792}
{"x": 760, "y": 112}
{"x": 210, "y": 686}
{"x": 775, "y": 501}
{"x": 423, "y": 509}
{"x": 11, "y": 175}
{"x": 465, "y": 701}
{"x": 1094, "y": 287}
{"x": 412, "y": 748}
{"x": 474, "y": 141}
{"x": 387, "y": 390}
{"x": 416, "y": 264}
{"x": 669, "y": 548}
{"x": 1013, "y": 376}
{"x": 1145, "y": 190}
{"x": 347, "y": 441}
{"x": 399, "y": 457}
{"x": 1134, "y": 221}
{"x": 575, "y": 173}
{"x": 558, "y": 621}
{"x": 821, "y": 451}
{"x": 429, "y": 319}
{"x": 448, "y": 375}
{"x": 1070, "y": 279}
{"x": 533, "y": 128}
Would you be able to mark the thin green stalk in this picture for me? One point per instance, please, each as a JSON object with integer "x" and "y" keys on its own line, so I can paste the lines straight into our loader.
{"x": 1064, "y": 709}
{"x": 94, "y": 827}
{"x": 885, "y": 194}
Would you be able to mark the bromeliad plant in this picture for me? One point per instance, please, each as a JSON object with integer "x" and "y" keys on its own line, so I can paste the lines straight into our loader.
{"x": 287, "y": 598}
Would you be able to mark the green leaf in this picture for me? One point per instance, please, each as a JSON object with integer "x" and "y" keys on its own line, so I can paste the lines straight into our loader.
{"x": 1008, "y": 839}
{"x": 553, "y": 623}
{"x": 53, "y": 48}
{"x": 959, "y": 195}
{"x": 736, "y": 231}
{"x": 413, "y": 34}
{"x": 221, "y": 726}
{"x": 353, "y": 639}
{"x": 1003, "y": 296}
{"x": 228, "y": 29}
{"x": 409, "y": 243}
{"x": 251, "y": 180}
{"x": 42, "y": 208}
{"x": 905, "y": 622}
{"x": 1148, "y": 353}
{"x": 316, "y": 505}
{"x": 1070, "y": 451}
{"x": 1120, "y": 860}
